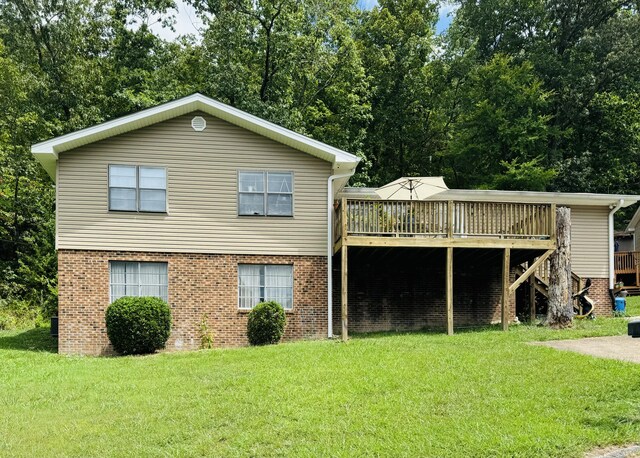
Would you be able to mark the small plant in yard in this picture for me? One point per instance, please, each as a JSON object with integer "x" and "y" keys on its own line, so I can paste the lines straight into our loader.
{"x": 266, "y": 323}
{"x": 138, "y": 325}
{"x": 206, "y": 335}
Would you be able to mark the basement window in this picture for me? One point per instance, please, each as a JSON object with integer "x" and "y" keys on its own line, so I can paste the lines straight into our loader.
{"x": 138, "y": 279}
{"x": 260, "y": 283}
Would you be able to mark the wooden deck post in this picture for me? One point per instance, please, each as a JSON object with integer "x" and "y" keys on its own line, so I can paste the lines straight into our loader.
{"x": 449, "y": 282}
{"x": 506, "y": 268}
{"x": 532, "y": 298}
{"x": 344, "y": 290}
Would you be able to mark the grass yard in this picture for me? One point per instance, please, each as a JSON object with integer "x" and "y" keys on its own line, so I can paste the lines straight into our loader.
{"x": 480, "y": 393}
{"x": 633, "y": 306}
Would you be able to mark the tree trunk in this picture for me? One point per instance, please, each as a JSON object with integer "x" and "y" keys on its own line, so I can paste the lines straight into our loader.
{"x": 560, "y": 310}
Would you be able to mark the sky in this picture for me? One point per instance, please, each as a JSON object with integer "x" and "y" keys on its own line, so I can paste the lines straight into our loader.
{"x": 187, "y": 21}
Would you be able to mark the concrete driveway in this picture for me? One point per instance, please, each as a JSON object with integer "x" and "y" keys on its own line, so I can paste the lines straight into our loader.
{"x": 623, "y": 348}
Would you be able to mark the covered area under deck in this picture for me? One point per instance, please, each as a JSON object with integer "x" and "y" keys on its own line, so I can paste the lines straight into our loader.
{"x": 404, "y": 288}
{"x": 429, "y": 264}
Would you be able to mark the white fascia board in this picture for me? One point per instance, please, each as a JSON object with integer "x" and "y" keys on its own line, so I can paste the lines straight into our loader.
{"x": 634, "y": 221}
{"x": 47, "y": 152}
{"x": 559, "y": 198}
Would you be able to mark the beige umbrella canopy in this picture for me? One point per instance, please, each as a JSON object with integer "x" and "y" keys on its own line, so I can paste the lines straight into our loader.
{"x": 412, "y": 188}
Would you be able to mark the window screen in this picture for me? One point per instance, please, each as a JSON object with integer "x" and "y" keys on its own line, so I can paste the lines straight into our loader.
{"x": 139, "y": 279}
{"x": 259, "y": 283}
{"x": 137, "y": 188}
{"x": 265, "y": 193}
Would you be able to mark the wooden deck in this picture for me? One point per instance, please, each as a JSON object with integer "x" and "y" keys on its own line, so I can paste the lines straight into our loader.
{"x": 444, "y": 224}
{"x": 627, "y": 269}
{"x": 449, "y": 225}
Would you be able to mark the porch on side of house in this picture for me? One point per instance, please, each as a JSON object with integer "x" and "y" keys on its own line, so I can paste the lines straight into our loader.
{"x": 627, "y": 270}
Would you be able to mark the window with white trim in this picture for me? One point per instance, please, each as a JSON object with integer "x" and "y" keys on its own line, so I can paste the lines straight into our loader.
{"x": 138, "y": 279}
{"x": 137, "y": 188}
{"x": 265, "y": 193}
{"x": 259, "y": 283}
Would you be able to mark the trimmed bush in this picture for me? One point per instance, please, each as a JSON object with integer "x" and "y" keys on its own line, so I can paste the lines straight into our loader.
{"x": 266, "y": 323}
{"x": 138, "y": 325}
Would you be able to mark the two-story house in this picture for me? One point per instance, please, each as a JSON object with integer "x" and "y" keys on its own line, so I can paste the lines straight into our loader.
{"x": 201, "y": 204}
{"x": 215, "y": 210}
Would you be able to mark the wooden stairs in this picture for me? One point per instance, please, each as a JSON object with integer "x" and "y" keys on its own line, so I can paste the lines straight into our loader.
{"x": 539, "y": 288}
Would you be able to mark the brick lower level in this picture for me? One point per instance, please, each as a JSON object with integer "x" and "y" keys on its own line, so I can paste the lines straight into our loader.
{"x": 404, "y": 289}
{"x": 201, "y": 286}
{"x": 398, "y": 289}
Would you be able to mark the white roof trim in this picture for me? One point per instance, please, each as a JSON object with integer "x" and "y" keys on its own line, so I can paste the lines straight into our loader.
{"x": 634, "y": 221}
{"x": 561, "y": 198}
{"x": 47, "y": 152}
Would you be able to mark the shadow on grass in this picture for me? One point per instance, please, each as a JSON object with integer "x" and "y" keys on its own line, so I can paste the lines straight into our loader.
{"x": 424, "y": 331}
{"x": 38, "y": 340}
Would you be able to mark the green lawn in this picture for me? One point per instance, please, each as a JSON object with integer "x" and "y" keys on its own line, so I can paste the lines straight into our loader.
{"x": 480, "y": 393}
{"x": 633, "y": 306}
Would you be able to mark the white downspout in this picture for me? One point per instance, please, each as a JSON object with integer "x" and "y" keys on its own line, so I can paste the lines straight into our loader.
{"x": 612, "y": 274}
{"x": 330, "y": 181}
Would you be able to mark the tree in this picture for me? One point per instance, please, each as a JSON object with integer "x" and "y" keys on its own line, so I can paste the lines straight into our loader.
{"x": 26, "y": 195}
{"x": 502, "y": 120}
{"x": 560, "y": 309}
{"x": 584, "y": 53}
{"x": 397, "y": 41}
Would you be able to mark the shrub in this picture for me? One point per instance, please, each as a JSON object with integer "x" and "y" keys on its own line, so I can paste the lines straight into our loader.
{"x": 266, "y": 323}
{"x": 18, "y": 314}
{"x": 138, "y": 325}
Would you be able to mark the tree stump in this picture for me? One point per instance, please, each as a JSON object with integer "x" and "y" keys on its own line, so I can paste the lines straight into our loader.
{"x": 560, "y": 310}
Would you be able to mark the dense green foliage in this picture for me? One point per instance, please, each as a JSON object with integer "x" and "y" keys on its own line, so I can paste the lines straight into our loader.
{"x": 474, "y": 394}
{"x": 516, "y": 94}
{"x": 266, "y": 323}
{"x": 138, "y": 325}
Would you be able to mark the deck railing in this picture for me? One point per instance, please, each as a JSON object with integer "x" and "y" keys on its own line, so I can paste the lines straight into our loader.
{"x": 626, "y": 262}
{"x": 453, "y": 219}
{"x": 627, "y": 267}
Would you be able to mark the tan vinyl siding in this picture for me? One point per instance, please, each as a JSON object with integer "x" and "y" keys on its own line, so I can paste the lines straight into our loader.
{"x": 590, "y": 241}
{"x": 202, "y": 189}
{"x": 636, "y": 237}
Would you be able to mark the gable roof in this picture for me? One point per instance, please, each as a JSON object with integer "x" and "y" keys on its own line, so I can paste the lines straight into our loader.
{"x": 47, "y": 152}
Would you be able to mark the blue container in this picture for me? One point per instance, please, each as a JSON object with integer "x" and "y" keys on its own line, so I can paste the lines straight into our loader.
{"x": 621, "y": 304}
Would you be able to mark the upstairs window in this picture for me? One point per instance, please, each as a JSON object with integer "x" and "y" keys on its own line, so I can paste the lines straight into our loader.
{"x": 137, "y": 188}
{"x": 265, "y": 193}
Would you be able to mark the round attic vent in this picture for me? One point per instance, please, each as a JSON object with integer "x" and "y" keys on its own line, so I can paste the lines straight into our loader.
{"x": 198, "y": 123}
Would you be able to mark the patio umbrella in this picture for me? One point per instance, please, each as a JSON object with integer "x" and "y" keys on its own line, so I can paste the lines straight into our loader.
{"x": 412, "y": 188}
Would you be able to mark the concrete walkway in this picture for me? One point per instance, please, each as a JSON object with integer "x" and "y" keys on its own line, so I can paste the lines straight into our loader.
{"x": 623, "y": 348}
{"x": 615, "y": 452}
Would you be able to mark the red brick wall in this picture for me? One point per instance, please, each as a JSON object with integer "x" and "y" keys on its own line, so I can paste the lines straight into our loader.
{"x": 199, "y": 285}
{"x": 404, "y": 289}
{"x": 599, "y": 291}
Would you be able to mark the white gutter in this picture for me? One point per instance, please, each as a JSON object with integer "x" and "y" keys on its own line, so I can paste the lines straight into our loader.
{"x": 612, "y": 273}
{"x": 330, "y": 181}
